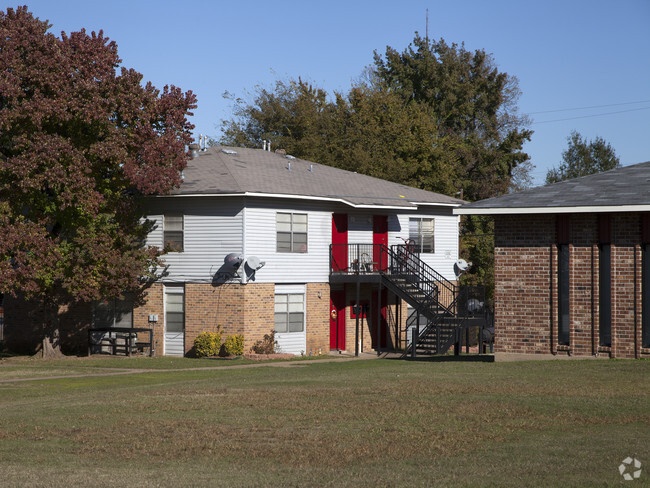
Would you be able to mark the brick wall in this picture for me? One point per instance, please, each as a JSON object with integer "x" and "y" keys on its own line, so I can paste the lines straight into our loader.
{"x": 526, "y": 286}
{"x": 237, "y": 309}
{"x": 318, "y": 321}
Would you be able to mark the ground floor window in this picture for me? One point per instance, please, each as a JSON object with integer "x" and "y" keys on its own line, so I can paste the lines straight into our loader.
{"x": 113, "y": 313}
{"x": 289, "y": 312}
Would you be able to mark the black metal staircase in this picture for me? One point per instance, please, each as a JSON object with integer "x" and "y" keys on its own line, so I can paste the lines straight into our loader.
{"x": 443, "y": 310}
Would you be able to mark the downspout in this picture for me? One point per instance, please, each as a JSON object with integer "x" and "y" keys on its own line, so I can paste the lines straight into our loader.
{"x": 243, "y": 241}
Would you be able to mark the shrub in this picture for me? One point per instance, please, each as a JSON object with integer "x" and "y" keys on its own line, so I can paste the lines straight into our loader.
{"x": 207, "y": 344}
{"x": 266, "y": 345}
{"x": 234, "y": 345}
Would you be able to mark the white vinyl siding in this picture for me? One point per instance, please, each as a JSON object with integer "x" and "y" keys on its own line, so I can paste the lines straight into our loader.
{"x": 445, "y": 245}
{"x": 212, "y": 230}
{"x": 288, "y": 267}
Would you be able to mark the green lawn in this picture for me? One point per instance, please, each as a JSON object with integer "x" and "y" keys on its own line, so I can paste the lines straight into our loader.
{"x": 343, "y": 423}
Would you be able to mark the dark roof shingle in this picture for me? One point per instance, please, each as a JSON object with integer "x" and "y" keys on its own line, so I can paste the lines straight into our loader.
{"x": 619, "y": 187}
{"x": 219, "y": 171}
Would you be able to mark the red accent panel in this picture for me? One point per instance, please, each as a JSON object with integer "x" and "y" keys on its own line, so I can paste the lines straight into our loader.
{"x": 380, "y": 236}
{"x": 337, "y": 324}
{"x": 339, "y": 236}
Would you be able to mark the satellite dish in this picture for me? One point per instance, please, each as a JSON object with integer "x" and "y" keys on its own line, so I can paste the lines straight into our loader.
{"x": 232, "y": 261}
{"x": 254, "y": 263}
{"x": 460, "y": 267}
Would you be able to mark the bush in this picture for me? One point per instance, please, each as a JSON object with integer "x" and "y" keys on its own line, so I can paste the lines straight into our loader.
{"x": 234, "y": 345}
{"x": 207, "y": 344}
{"x": 266, "y": 345}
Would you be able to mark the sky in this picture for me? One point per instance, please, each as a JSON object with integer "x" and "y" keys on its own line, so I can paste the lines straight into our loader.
{"x": 582, "y": 65}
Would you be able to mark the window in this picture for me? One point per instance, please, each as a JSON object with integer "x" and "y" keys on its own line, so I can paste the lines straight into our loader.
{"x": 113, "y": 313}
{"x": 421, "y": 233}
{"x": 289, "y": 312}
{"x": 292, "y": 232}
{"x": 173, "y": 232}
{"x": 174, "y": 308}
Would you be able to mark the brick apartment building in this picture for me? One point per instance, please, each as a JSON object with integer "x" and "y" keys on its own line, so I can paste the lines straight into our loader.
{"x": 572, "y": 266}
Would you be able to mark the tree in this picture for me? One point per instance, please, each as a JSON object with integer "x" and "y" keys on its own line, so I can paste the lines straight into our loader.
{"x": 80, "y": 147}
{"x": 583, "y": 158}
{"x": 434, "y": 116}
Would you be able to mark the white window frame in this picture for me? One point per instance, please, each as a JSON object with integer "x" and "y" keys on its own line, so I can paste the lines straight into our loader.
{"x": 173, "y": 231}
{"x": 175, "y": 290}
{"x": 419, "y": 237}
{"x": 292, "y": 232}
{"x": 288, "y": 297}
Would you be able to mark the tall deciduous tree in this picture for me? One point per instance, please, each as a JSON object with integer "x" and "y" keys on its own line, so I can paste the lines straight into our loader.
{"x": 80, "y": 145}
{"x": 583, "y": 158}
{"x": 435, "y": 116}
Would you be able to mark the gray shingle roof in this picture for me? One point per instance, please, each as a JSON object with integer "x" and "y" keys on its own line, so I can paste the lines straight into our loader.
{"x": 257, "y": 171}
{"x": 614, "y": 190}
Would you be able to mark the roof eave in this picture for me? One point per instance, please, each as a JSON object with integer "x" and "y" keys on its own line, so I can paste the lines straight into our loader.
{"x": 413, "y": 206}
{"x": 550, "y": 210}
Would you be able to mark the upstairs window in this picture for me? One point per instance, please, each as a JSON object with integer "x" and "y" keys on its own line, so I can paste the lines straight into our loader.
{"x": 291, "y": 232}
{"x": 173, "y": 232}
{"x": 421, "y": 232}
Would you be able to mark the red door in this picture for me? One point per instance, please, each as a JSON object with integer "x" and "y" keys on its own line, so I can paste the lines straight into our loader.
{"x": 339, "y": 241}
{"x": 379, "y": 236}
{"x": 383, "y": 326}
{"x": 337, "y": 319}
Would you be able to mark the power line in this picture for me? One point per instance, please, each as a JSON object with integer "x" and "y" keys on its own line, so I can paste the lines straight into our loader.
{"x": 590, "y": 116}
{"x": 586, "y": 108}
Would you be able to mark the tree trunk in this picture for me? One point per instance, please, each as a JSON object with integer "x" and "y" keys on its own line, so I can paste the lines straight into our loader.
{"x": 50, "y": 348}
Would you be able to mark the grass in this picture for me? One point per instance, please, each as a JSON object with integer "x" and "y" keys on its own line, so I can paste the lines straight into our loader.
{"x": 342, "y": 423}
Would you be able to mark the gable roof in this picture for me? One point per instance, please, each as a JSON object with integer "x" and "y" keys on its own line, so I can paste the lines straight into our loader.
{"x": 223, "y": 171}
{"x": 617, "y": 190}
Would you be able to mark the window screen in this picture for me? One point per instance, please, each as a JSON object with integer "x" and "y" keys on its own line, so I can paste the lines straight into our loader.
{"x": 289, "y": 312}
{"x": 173, "y": 232}
{"x": 421, "y": 232}
{"x": 291, "y": 232}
